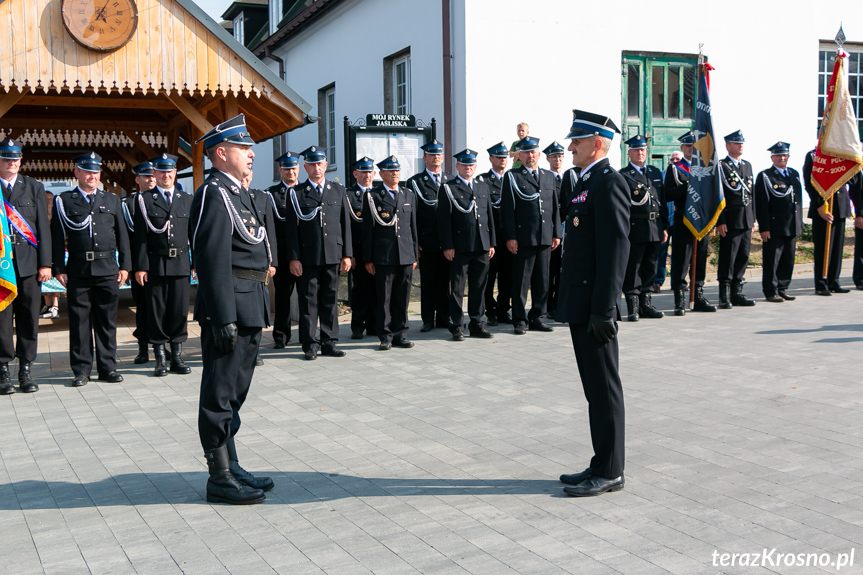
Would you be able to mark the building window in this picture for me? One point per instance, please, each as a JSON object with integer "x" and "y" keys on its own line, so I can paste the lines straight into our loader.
{"x": 854, "y": 67}
{"x": 238, "y": 29}
{"x": 327, "y": 122}
{"x": 276, "y": 13}
{"x": 397, "y": 82}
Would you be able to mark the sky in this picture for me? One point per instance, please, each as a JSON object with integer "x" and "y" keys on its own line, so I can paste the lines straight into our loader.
{"x": 214, "y": 8}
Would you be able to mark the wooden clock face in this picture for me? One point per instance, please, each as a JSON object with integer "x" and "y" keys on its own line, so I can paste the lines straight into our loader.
{"x": 100, "y": 24}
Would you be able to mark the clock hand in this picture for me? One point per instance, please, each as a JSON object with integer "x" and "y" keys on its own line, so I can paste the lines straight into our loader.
{"x": 100, "y": 14}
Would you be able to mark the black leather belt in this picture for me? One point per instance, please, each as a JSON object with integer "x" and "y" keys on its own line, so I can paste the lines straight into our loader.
{"x": 255, "y": 276}
{"x": 650, "y": 216}
{"x": 170, "y": 252}
{"x": 91, "y": 256}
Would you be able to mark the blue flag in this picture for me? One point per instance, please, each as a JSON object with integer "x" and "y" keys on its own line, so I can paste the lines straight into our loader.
{"x": 8, "y": 283}
{"x": 704, "y": 199}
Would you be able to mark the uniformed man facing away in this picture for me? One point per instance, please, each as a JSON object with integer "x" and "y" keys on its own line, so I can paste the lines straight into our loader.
{"x": 91, "y": 221}
{"x": 827, "y": 285}
{"x": 531, "y": 222}
{"x": 145, "y": 181}
{"x": 594, "y": 263}
{"x": 232, "y": 256}
{"x": 735, "y": 224}
{"x": 362, "y": 282}
{"x": 390, "y": 243}
{"x": 280, "y": 197}
{"x": 318, "y": 233}
{"x": 434, "y": 268}
{"x": 468, "y": 239}
{"x": 647, "y": 229}
{"x": 161, "y": 260}
{"x": 554, "y": 155}
{"x": 675, "y": 188}
{"x": 30, "y": 238}
{"x": 500, "y": 266}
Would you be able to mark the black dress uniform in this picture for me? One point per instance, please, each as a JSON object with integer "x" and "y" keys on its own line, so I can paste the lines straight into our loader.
{"x": 284, "y": 280}
{"x": 96, "y": 240}
{"x": 362, "y": 282}
{"x": 434, "y": 268}
{"x": 161, "y": 248}
{"x": 27, "y": 197}
{"x": 841, "y": 210}
{"x": 779, "y": 210}
{"x": 531, "y": 216}
{"x": 500, "y": 266}
{"x": 129, "y": 207}
{"x": 390, "y": 242}
{"x": 466, "y": 226}
{"x": 647, "y": 222}
{"x": 596, "y": 250}
{"x": 555, "y": 256}
{"x": 856, "y": 195}
{"x": 739, "y": 218}
{"x": 319, "y": 236}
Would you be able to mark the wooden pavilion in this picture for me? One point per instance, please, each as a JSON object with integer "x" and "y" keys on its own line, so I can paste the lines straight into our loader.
{"x": 176, "y": 75}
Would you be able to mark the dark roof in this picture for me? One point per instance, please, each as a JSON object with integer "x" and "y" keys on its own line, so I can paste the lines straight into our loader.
{"x": 241, "y": 5}
{"x": 297, "y": 18}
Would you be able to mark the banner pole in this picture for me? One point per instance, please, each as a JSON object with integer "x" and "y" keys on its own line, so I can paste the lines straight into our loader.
{"x": 825, "y": 267}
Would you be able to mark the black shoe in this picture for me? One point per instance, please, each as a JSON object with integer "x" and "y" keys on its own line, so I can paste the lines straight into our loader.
{"x": 357, "y": 335}
{"x": 161, "y": 366}
{"x": 332, "y": 351}
{"x": 491, "y": 319}
{"x": 111, "y": 377}
{"x": 80, "y": 380}
{"x": 311, "y": 354}
{"x": 458, "y": 335}
{"x": 177, "y": 363}
{"x": 679, "y": 302}
{"x": 403, "y": 343}
{"x": 385, "y": 345}
{"x": 595, "y": 486}
{"x": 539, "y": 326}
{"x": 822, "y": 292}
{"x": 859, "y": 286}
{"x": 646, "y": 309}
{"x": 836, "y": 288}
{"x": 631, "y": 307}
{"x": 737, "y": 297}
{"x": 262, "y": 483}
{"x": 482, "y": 333}
{"x": 519, "y": 329}
{"x": 223, "y": 486}
{"x": 774, "y": 298}
{"x": 259, "y": 361}
{"x": 576, "y": 478}
{"x": 25, "y": 379}
{"x": 143, "y": 353}
{"x": 701, "y": 303}
{"x": 279, "y": 344}
{"x": 724, "y": 294}
{"x": 784, "y": 295}
{"x": 427, "y": 327}
{"x": 6, "y": 387}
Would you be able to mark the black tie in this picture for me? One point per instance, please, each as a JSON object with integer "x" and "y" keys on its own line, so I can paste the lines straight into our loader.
{"x": 90, "y": 198}
{"x": 7, "y": 191}
{"x": 168, "y": 197}
{"x": 436, "y": 179}
{"x": 536, "y": 177}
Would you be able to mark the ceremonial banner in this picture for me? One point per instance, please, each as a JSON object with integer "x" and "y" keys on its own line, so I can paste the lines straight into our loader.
{"x": 838, "y": 155}
{"x": 8, "y": 285}
{"x": 704, "y": 198}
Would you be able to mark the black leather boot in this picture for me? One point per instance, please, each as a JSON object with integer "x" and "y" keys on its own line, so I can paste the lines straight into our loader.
{"x": 6, "y": 387}
{"x": 724, "y": 302}
{"x": 701, "y": 303}
{"x": 177, "y": 363}
{"x": 679, "y": 302}
{"x": 25, "y": 379}
{"x": 161, "y": 367}
{"x": 143, "y": 353}
{"x": 645, "y": 307}
{"x": 631, "y": 307}
{"x": 262, "y": 483}
{"x": 222, "y": 486}
{"x": 737, "y": 297}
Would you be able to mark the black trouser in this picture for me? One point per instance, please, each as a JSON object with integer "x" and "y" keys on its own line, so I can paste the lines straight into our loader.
{"x": 225, "y": 380}
{"x": 25, "y": 308}
{"x": 472, "y": 266}
{"x": 92, "y": 305}
{"x": 284, "y": 282}
{"x": 500, "y": 268}
{"x": 640, "y": 268}
{"x": 529, "y": 269}
{"x": 681, "y": 257}
{"x": 168, "y": 301}
{"x": 837, "y": 242}
{"x": 140, "y": 299}
{"x": 362, "y": 299}
{"x": 778, "y": 257}
{"x": 434, "y": 287}
{"x": 733, "y": 255}
{"x": 393, "y": 286}
{"x": 554, "y": 278}
{"x": 598, "y": 368}
{"x": 857, "y": 272}
{"x": 318, "y": 289}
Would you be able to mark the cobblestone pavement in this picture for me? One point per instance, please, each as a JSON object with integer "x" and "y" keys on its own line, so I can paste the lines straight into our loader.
{"x": 744, "y": 433}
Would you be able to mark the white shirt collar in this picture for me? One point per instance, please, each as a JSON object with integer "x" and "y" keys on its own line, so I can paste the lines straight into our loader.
{"x": 587, "y": 169}
{"x": 9, "y": 183}
{"x": 498, "y": 176}
{"x": 735, "y": 162}
{"x": 639, "y": 170}
{"x": 85, "y": 194}
{"x": 232, "y": 178}
{"x": 466, "y": 182}
{"x": 163, "y": 191}
{"x": 432, "y": 174}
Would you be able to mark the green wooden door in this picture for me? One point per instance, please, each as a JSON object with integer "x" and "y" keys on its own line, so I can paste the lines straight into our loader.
{"x": 658, "y": 101}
